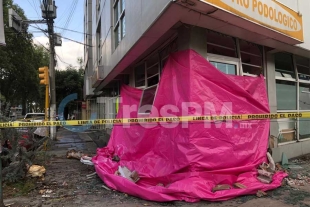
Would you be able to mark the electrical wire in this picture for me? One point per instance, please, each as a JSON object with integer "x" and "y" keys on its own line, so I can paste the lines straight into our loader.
{"x": 64, "y": 37}
{"x": 74, "y": 5}
{"x": 70, "y": 30}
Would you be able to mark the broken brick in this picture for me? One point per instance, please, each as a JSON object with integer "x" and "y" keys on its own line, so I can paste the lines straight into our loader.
{"x": 239, "y": 185}
{"x": 264, "y": 179}
{"x": 220, "y": 187}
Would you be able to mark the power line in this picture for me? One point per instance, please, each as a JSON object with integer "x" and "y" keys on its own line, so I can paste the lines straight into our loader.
{"x": 77, "y": 41}
{"x": 61, "y": 59}
{"x": 70, "y": 30}
{"x": 65, "y": 37}
{"x": 73, "y": 6}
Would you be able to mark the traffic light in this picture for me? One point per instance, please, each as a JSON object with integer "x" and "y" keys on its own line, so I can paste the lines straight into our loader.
{"x": 43, "y": 75}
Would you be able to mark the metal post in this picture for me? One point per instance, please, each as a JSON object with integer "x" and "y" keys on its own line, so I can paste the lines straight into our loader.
{"x": 52, "y": 80}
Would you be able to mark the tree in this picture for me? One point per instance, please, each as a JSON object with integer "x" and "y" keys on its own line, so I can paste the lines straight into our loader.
{"x": 19, "y": 63}
{"x": 69, "y": 81}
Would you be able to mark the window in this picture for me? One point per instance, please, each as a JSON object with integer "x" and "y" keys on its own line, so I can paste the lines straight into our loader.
{"x": 251, "y": 58}
{"x": 284, "y": 66}
{"x": 147, "y": 73}
{"x": 164, "y": 54}
{"x": 119, "y": 21}
{"x": 286, "y": 95}
{"x": 152, "y": 70}
{"x": 286, "y": 83}
{"x": 286, "y": 89}
{"x": 147, "y": 100}
{"x": 225, "y": 68}
{"x": 98, "y": 44}
{"x": 140, "y": 75}
{"x": 303, "y": 69}
{"x": 221, "y": 44}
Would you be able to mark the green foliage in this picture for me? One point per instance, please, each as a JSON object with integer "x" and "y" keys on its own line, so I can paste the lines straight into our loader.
{"x": 69, "y": 81}
{"x": 19, "y": 63}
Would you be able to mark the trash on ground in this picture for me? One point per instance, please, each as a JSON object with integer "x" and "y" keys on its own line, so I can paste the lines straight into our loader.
{"x": 126, "y": 173}
{"x": 294, "y": 167}
{"x": 74, "y": 154}
{"x": 36, "y": 171}
{"x": 91, "y": 175}
{"x": 260, "y": 193}
{"x": 86, "y": 160}
{"x": 221, "y": 187}
{"x": 45, "y": 191}
{"x": 41, "y": 131}
{"x": 105, "y": 187}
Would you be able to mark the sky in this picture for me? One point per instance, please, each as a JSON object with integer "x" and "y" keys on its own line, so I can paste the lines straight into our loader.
{"x": 70, "y": 15}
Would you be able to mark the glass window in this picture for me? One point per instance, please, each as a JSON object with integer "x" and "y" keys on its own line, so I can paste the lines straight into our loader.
{"x": 225, "y": 68}
{"x": 284, "y": 65}
{"x": 153, "y": 80}
{"x": 304, "y": 96}
{"x": 286, "y": 95}
{"x": 221, "y": 44}
{"x": 164, "y": 54}
{"x": 140, "y": 75}
{"x": 147, "y": 99}
{"x": 152, "y": 70}
{"x": 251, "y": 57}
{"x": 303, "y": 68}
{"x": 304, "y": 129}
{"x": 119, "y": 21}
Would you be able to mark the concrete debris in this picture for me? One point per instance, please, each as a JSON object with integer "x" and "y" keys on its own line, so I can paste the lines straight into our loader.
{"x": 260, "y": 193}
{"x": 300, "y": 180}
{"x": 264, "y": 179}
{"x": 126, "y": 173}
{"x": 105, "y": 187}
{"x": 134, "y": 176}
{"x": 91, "y": 175}
{"x": 279, "y": 167}
{"x": 298, "y": 161}
{"x": 36, "y": 171}
{"x": 271, "y": 162}
{"x": 221, "y": 187}
{"x": 74, "y": 154}
{"x": 45, "y": 193}
{"x": 239, "y": 185}
{"x": 86, "y": 160}
{"x": 265, "y": 173}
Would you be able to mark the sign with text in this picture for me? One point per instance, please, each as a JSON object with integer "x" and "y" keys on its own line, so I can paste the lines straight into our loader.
{"x": 268, "y": 13}
{"x": 2, "y": 39}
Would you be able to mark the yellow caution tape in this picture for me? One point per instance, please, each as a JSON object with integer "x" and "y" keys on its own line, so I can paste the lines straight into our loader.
{"x": 155, "y": 120}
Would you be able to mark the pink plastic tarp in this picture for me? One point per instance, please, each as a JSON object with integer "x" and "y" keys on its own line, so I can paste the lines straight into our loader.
{"x": 189, "y": 160}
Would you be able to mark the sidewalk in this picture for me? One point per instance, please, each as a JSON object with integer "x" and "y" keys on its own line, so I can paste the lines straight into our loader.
{"x": 68, "y": 185}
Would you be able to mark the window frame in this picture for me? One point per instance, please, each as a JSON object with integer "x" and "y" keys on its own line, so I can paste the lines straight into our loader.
{"x": 146, "y": 114}
{"x": 224, "y": 59}
{"x": 118, "y": 21}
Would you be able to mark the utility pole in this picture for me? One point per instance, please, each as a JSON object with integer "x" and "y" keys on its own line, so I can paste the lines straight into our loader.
{"x": 49, "y": 13}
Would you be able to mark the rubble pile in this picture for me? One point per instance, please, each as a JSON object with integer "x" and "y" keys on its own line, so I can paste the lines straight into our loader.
{"x": 300, "y": 180}
{"x": 266, "y": 171}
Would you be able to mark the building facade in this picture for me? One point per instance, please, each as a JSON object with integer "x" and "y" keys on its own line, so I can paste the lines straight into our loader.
{"x": 128, "y": 42}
